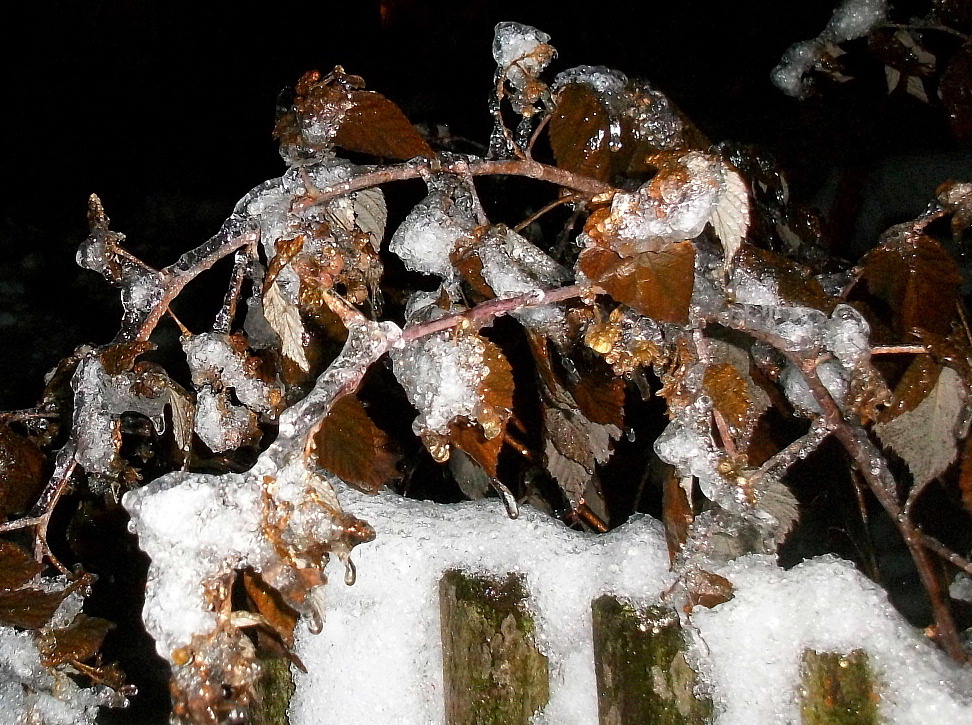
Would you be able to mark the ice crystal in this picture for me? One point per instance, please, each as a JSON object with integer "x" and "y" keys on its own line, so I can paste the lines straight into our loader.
{"x": 434, "y": 227}
{"x": 521, "y": 50}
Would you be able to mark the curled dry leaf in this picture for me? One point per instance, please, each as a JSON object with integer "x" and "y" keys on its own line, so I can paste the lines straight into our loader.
{"x": 927, "y": 436}
{"x": 284, "y": 317}
{"x": 353, "y": 448}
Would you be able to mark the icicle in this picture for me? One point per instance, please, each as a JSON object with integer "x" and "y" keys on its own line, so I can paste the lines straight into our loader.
{"x": 350, "y": 573}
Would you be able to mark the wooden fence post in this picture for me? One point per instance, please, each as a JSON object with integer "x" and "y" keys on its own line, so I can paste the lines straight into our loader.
{"x": 493, "y": 672}
{"x": 642, "y": 673}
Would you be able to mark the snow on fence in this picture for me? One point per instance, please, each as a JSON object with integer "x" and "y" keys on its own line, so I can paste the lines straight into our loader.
{"x": 462, "y": 616}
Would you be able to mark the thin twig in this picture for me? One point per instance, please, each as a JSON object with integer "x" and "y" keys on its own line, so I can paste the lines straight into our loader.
{"x": 543, "y": 210}
{"x": 583, "y": 185}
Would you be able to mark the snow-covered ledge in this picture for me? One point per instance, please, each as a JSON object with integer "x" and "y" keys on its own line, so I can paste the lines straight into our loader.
{"x": 378, "y": 659}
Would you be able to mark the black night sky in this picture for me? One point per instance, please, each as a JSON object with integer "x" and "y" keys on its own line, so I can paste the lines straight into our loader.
{"x": 165, "y": 110}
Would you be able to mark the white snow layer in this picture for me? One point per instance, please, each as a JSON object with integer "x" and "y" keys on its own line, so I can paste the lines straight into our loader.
{"x": 30, "y": 694}
{"x": 378, "y": 659}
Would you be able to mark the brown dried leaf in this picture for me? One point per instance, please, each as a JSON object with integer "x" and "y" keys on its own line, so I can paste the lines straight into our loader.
{"x": 965, "y": 475}
{"x": 78, "y": 642}
{"x": 483, "y": 441}
{"x": 353, "y": 448}
{"x": 374, "y": 125}
{"x": 918, "y": 280}
{"x": 284, "y": 317}
{"x": 796, "y": 286}
{"x": 926, "y": 437}
{"x": 914, "y": 386}
{"x": 655, "y": 284}
{"x": 17, "y": 566}
{"x": 729, "y": 393}
{"x": 29, "y": 608}
{"x": 281, "y": 617}
{"x": 955, "y": 90}
{"x": 600, "y": 396}
{"x": 709, "y": 590}
{"x": 21, "y": 471}
{"x": 579, "y": 133}
{"x": 677, "y": 513}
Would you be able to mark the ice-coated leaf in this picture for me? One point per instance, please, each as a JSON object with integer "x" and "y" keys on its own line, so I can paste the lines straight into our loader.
{"x": 482, "y": 438}
{"x": 17, "y": 566}
{"x": 428, "y": 236}
{"x": 915, "y": 384}
{"x": 916, "y": 277}
{"x": 731, "y": 216}
{"x": 763, "y": 277}
{"x": 374, "y": 125}
{"x": 655, "y": 284}
{"x": 270, "y": 605}
{"x": 926, "y": 436}
{"x": 521, "y": 52}
{"x": 578, "y": 133}
{"x": 353, "y": 448}
{"x": 371, "y": 214}
{"x": 284, "y": 318}
{"x": 729, "y": 393}
{"x": 78, "y": 642}
{"x": 29, "y": 608}
{"x": 21, "y": 471}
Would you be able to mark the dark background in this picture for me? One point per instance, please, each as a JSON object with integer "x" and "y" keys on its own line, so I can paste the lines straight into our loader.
{"x": 165, "y": 110}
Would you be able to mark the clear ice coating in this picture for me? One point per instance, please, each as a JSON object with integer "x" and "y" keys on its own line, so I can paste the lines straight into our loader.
{"x": 517, "y": 49}
{"x": 852, "y": 19}
{"x": 512, "y": 266}
{"x": 609, "y": 86}
{"x": 434, "y": 227}
{"x": 442, "y": 375}
{"x": 100, "y": 398}
{"x": 31, "y": 694}
{"x": 673, "y": 206}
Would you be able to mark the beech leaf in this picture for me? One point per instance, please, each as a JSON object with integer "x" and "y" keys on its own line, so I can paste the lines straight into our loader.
{"x": 284, "y": 318}
{"x": 374, "y": 125}
{"x": 17, "y": 566}
{"x": 77, "y": 642}
{"x": 21, "y": 471}
{"x": 926, "y": 436}
{"x": 916, "y": 277}
{"x": 579, "y": 133}
{"x": 729, "y": 393}
{"x": 731, "y": 216}
{"x": 483, "y": 442}
{"x": 353, "y": 448}
{"x": 29, "y": 608}
{"x": 655, "y": 284}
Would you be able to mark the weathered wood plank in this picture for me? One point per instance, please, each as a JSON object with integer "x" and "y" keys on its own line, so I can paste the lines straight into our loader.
{"x": 642, "y": 673}
{"x": 838, "y": 689}
{"x": 494, "y": 674}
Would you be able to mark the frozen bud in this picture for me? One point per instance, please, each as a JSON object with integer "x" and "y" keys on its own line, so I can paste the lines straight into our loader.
{"x": 522, "y": 51}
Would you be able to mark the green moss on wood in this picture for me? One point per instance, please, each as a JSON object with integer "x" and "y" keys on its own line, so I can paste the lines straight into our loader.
{"x": 838, "y": 689}
{"x": 276, "y": 688}
{"x": 642, "y": 673}
{"x": 494, "y": 674}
